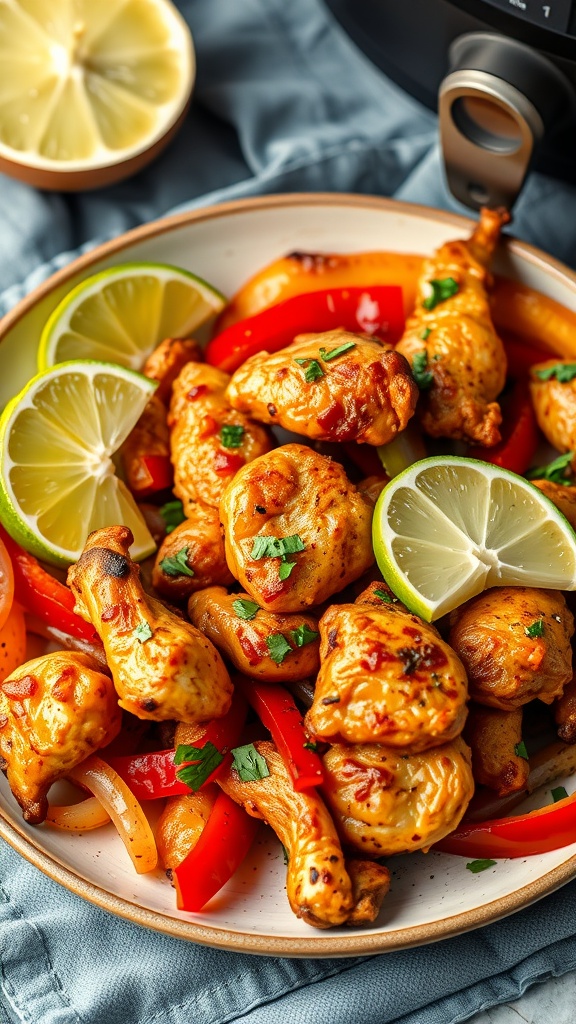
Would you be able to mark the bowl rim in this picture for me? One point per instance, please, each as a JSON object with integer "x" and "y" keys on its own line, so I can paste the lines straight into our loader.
{"x": 321, "y": 944}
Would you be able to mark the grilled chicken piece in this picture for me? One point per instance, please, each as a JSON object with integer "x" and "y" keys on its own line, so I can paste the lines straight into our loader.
{"x": 453, "y": 341}
{"x": 261, "y": 644}
{"x": 163, "y": 668}
{"x": 317, "y": 884}
{"x": 515, "y": 645}
{"x": 563, "y": 497}
{"x": 386, "y": 677}
{"x": 565, "y": 713}
{"x": 365, "y": 394}
{"x": 291, "y": 497}
{"x": 192, "y": 556}
{"x": 181, "y": 824}
{"x": 384, "y": 802}
{"x": 554, "y": 403}
{"x": 167, "y": 360}
{"x": 209, "y": 441}
{"x": 150, "y": 437}
{"x": 494, "y": 737}
{"x": 54, "y": 712}
{"x": 370, "y": 884}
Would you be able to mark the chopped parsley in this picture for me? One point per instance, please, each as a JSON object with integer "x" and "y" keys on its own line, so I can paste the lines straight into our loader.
{"x": 520, "y": 750}
{"x": 231, "y": 435}
{"x": 177, "y": 565}
{"x": 285, "y": 568}
{"x": 313, "y": 369}
{"x": 385, "y": 596}
{"x": 556, "y": 471}
{"x": 249, "y": 764}
{"x": 425, "y": 334}
{"x": 335, "y": 352}
{"x": 173, "y": 514}
{"x": 204, "y": 760}
{"x": 442, "y": 289}
{"x": 475, "y": 866}
{"x": 303, "y": 635}
{"x": 278, "y": 646}
{"x": 143, "y": 632}
{"x": 276, "y": 547}
{"x": 563, "y": 372}
{"x": 422, "y": 376}
{"x": 285, "y": 853}
{"x": 535, "y": 629}
{"x": 311, "y": 746}
{"x": 245, "y": 609}
{"x": 559, "y": 793}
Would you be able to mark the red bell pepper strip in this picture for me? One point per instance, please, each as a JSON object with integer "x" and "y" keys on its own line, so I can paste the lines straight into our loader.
{"x": 41, "y": 594}
{"x": 523, "y": 835}
{"x": 520, "y": 435}
{"x": 225, "y": 841}
{"x": 376, "y": 310}
{"x": 152, "y": 474}
{"x": 153, "y": 775}
{"x": 521, "y": 357}
{"x": 276, "y": 710}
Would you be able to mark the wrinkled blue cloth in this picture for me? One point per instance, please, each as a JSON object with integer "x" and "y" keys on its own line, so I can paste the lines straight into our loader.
{"x": 283, "y": 102}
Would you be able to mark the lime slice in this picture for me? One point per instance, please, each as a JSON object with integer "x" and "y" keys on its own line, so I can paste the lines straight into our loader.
{"x": 120, "y": 315}
{"x": 57, "y": 475}
{"x": 89, "y": 91}
{"x": 448, "y": 528}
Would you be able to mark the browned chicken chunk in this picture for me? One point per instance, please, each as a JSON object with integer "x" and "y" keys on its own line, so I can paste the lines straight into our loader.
{"x": 167, "y": 360}
{"x": 54, "y": 712}
{"x": 163, "y": 667}
{"x": 563, "y": 497}
{"x": 515, "y": 645}
{"x": 192, "y": 556}
{"x": 318, "y": 886}
{"x": 495, "y": 738}
{"x": 335, "y": 386}
{"x": 386, "y": 677}
{"x": 297, "y": 531}
{"x": 209, "y": 441}
{"x": 259, "y": 643}
{"x": 370, "y": 884}
{"x": 553, "y": 390}
{"x": 181, "y": 824}
{"x": 565, "y": 712}
{"x": 150, "y": 437}
{"x": 384, "y": 802}
{"x": 451, "y": 340}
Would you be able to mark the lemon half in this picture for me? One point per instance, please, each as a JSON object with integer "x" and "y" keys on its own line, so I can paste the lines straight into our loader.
{"x": 447, "y": 528}
{"x": 90, "y": 90}
{"x": 58, "y": 479}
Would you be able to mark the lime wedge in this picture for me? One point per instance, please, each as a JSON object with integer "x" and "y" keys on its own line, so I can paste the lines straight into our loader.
{"x": 448, "y": 528}
{"x": 57, "y": 475}
{"x": 120, "y": 315}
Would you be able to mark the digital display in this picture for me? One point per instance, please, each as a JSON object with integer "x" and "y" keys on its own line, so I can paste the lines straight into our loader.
{"x": 555, "y": 14}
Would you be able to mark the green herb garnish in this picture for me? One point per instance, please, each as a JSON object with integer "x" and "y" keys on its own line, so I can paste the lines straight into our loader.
{"x": 311, "y": 746}
{"x": 536, "y": 629}
{"x": 554, "y": 471}
{"x": 442, "y": 289}
{"x": 173, "y": 514}
{"x": 384, "y": 596}
{"x": 177, "y": 565}
{"x": 422, "y": 376}
{"x": 285, "y": 568}
{"x": 564, "y": 372}
{"x": 278, "y": 646}
{"x": 245, "y": 609}
{"x": 335, "y": 352}
{"x": 313, "y": 369}
{"x": 559, "y": 793}
{"x": 249, "y": 764}
{"x": 204, "y": 760}
{"x": 475, "y": 866}
{"x": 276, "y": 547}
{"x": 520, "y": 750}
{"x": 231, "y": 435}
{"x": 425, "y": 334}
{"x": 303, "y": 635}
{"x": 143, "y": 632}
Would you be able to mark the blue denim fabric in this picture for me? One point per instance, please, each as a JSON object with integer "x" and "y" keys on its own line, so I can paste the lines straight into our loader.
{"x": 283, "y": 102}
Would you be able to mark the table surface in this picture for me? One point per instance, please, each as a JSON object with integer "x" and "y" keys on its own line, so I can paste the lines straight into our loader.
{"x": 552, "y": 1001}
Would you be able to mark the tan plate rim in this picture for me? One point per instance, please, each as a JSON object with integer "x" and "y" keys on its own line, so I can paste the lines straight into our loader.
{"x": 321, "y": 944}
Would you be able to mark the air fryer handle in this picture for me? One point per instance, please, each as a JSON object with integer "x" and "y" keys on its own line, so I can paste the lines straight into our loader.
{"x": 495, "y": 106}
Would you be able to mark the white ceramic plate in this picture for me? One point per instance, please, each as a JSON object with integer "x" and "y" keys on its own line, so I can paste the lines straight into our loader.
{"x": 433, "y": 896}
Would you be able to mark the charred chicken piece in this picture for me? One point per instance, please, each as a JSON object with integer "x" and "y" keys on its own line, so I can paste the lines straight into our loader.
{"x": 384, "y": 802}
{"x": 54, "y": 712}
{"x": 166, "y": 362}
{"x": 334, "y": 386}
{"x": 495, "y": 737}
{"x": 261, "y": 644}
{"x": 563, "y": 497}
{"x": 209, "y": 440}
{"x": 515, "y": 645}
{"x": 554, "y": 400}
{"x": 451, "y": 341}
{"x": 181, "y": 824}
{"x": 192, "y": 556}
{"x": 318, "y": 886}
{"x": 148, "y": 440}
{"x": 385, "y": 677}
{"x": 565, "y": 713}
{"x": 370, "y": 884}
{"x": 163, "y": 668}
{"x": 297, "y": 531}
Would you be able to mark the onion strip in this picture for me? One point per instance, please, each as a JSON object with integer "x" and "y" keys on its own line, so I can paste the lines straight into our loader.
{"x": 80, "y": 817}
{"x": 123, "y": 807}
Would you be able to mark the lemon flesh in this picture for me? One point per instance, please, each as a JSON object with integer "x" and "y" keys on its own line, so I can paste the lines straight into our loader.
{"x": 120, "y": 315}
{"x": 448, "y": 528}
{"x": 58, "y": 479}
{"x": 85, "y": 81}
